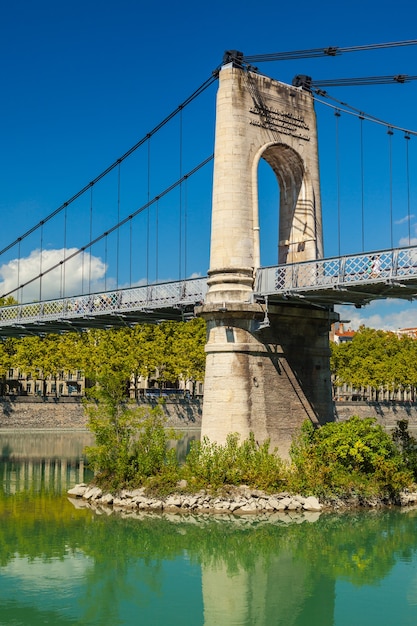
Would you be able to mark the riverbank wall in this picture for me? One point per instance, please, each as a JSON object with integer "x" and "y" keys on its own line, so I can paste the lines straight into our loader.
{"x": 68, "y": 413}
{"x": 386, "y": 413}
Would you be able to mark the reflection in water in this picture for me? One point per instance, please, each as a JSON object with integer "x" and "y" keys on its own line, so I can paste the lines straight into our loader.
{"x": 64, "y": 565}
{"x": 283, "y": 592}
{"x": 42, "y": 461}
{"x": 54, "y": 461}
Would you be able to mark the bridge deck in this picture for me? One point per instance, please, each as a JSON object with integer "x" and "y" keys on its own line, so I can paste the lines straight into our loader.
{"x": 354, "y": 279}
{"x": 116, "y": 308}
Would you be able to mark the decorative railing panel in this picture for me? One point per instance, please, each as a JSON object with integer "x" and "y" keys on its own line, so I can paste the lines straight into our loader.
{"x": 379, "y": 267}
{"x": 153, "y": 297}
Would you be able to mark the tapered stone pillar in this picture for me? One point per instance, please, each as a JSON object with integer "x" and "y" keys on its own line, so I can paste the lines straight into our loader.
{"x": 264, "y": 381}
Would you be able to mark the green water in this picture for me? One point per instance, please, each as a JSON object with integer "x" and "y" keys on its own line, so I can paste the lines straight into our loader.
{"x": 61, "y": 565}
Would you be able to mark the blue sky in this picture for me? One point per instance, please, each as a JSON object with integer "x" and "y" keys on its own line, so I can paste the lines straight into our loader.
{"x": 83, "y": 81}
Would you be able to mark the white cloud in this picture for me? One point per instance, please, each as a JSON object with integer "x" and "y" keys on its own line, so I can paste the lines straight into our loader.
{"x": 70, "y": 278}
{"x": 381, "y": 315}
{"x": 405, "y": 219}
{"x": 405, "y": 241}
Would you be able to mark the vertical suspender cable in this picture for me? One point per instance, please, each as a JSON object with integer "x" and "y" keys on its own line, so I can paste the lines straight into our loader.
{"x": 19, "y": 293}
{"x": 63, "y": 268}
{"x": 156, "y": 240}
{"x": 361, "y": 117}
{"x": 148, "y": 211}
{"x": 40, "y": 264}
{"x": 105, "y": 261}
{"x": 82, "y": 271}
{"x": 390, "y": 133}
{"x": 185, "y": 226}
{"x": 130, "y": 252}
{"x": 118, "y": 230}
{"x": 91, "y": 237}
{"x": 407, "y": 165}
{"x": 337, "y": 115}
{"x": 180, "y": 225}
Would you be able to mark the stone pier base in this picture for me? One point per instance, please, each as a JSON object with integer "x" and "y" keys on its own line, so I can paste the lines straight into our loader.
{"x": 267, "y": 380}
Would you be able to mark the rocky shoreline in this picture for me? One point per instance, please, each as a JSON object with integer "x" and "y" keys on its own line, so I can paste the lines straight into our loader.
{"x": 238, "y": 502}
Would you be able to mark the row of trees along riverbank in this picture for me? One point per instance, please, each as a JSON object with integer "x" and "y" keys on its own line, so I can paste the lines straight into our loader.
{"x": 376, "y": 365}
{"x": 166, "y": 353}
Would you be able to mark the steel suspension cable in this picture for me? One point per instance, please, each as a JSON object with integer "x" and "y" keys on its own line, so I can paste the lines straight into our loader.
{"x": 18, "y": 268}
{"x": 330, "y": 51}
{"x": 337, "y": 115}
{"x": 157, "y": 240}
{"x": 116, "y": 226}
{"x": 91, "y": 237}
{"x": 213, "y": 78}
{"x": 357, "y": 112}
{"x": 180, "y": 201}
{"x": 390, "y": 133}
{"x": 40, "y": 264}
{"x": 130, "y": 253}
{"x": 105, "y": 260}
{"x": 361, "y": 118}
{"x": 63, "y": 267}
{"x": 362, "y": 81}
{"x": 407, "y": 167}
{"x": 185, "y": 226}
{"x": 118, "y": 231}
{"x": 82, "y": 272}
{"x": 148, "y": 217}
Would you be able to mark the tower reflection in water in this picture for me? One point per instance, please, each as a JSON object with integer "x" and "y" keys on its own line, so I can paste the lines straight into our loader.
{"x": 63, "y": 563}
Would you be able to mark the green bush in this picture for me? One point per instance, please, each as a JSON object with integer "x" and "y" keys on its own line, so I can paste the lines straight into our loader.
{"x": 212, "y": 465}
{"x": 131, "y": 444}
{"x": 352, "y": 458}
{"x": 407, "y": 445}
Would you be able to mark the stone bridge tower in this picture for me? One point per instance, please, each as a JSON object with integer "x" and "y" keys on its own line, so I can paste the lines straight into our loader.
{"x": 263, "y": 377}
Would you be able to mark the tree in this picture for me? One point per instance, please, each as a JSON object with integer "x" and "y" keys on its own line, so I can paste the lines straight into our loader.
{"x": 147, "y": 352}
{"x": 187, "y": 350}
{"x": 8, "y": 301}
{"x": 105, "y": 358}
{"x": 7, "y": 359}
{"x": 376, "y": 358}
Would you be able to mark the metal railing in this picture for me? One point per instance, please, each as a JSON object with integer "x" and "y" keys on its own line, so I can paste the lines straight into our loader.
{"x": 172, "y": 295}
{"x": 370, "y": 268}
{"x": 396, "y": 268}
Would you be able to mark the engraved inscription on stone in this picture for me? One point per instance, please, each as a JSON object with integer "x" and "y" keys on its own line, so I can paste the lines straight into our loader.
{"x": 285, "y": 123}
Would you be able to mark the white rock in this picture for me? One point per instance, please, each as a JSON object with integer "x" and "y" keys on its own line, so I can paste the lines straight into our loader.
{"x": 299, "y": 499}
{"x": 248, "y": 508}
{"x": 92, "y": 493}
{"x": 284, "y": 503}
{"x": 276, "y": 504}
{"x": 78, "y": 491}
{"x": 173, "y": 500}
{"x": 312, "y": 504}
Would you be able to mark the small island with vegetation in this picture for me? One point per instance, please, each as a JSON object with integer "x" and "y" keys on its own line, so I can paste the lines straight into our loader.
{"x": 344, "y": 464}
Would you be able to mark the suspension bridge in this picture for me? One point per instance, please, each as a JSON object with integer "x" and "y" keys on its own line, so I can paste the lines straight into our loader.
{"x": 339, "y": 280}
{"x": 169, "y": 202}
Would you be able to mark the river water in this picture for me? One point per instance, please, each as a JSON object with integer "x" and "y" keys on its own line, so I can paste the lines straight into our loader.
{"x": 61, "y": 564}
